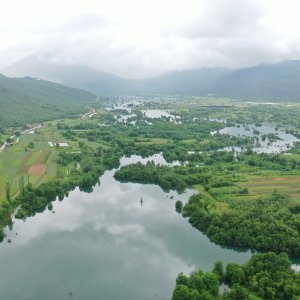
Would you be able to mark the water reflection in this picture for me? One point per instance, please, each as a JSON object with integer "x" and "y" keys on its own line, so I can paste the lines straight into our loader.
{"x": 284, "y": 142}
{"x": 161, "y": 113}
{"x": 106, "y": 245}
{"x": 158, "y": 159}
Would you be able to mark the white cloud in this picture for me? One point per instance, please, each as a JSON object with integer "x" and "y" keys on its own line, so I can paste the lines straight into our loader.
{"x": 136, "y": 38}
{"x": 221, "y": 19}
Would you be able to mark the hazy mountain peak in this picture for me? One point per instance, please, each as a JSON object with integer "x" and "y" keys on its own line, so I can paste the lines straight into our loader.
{"x": 280, "y": 80}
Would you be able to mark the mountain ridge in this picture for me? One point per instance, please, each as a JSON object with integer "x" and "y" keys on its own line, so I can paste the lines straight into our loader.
{"x": 269, "y": 81}
{"x": 28, "y": 100}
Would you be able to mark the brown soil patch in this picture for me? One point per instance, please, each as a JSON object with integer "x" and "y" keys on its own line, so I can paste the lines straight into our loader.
{"x": 37, "y": 170}
{"x": 23, "y": 169}
{"x": 285, "y": 178}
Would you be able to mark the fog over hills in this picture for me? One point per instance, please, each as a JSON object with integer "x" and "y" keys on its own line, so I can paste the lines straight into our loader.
{"x": 71, "y": 75}
{"x": 269, "y": 81}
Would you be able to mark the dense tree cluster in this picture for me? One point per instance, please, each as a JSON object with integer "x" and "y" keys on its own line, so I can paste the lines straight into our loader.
{"x": 267, "y": 224}
{"x": 269, "y": 161}
{"x": 264, "y": 276}
{"x": 165, "y": 177}
{"x": 180, "y": 177}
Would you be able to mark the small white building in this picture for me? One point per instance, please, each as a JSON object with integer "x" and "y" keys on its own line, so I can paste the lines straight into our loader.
{"x": 191, "y": 152}
{"x": 63, "y": 145}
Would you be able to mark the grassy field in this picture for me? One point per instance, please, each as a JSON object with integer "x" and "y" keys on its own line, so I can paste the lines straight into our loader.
{"x": 289, "y": 185}
{"x": 257, "y": 187}
{"x": 37, "y": 164}
{"x": 20, "y": 160}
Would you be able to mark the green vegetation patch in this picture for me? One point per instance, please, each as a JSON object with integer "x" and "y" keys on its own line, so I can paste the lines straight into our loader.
{"x": 266, "y": 224}
{"x": 264, "y": 276}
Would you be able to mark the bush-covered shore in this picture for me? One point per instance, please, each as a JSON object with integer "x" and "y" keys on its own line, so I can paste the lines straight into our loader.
{"x": 264, "y": 276}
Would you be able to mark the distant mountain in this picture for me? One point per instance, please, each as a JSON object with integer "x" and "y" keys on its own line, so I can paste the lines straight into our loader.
{"x": 97, "y": 82}
{"x": 106, "y": 84}
{"x": 273, "y": 81}
{"x": 187, "y": 82}
{"x": 28, "y": 100}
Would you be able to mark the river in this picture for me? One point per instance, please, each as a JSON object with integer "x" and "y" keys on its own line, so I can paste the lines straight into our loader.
{"x": 106, "y": 245}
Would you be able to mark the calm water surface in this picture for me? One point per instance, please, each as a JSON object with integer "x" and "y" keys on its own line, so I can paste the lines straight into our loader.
{"x": 106, "y": 245}
{"x": 286, "y": 141}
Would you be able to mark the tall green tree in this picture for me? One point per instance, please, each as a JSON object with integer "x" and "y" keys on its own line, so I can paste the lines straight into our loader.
{"x": 21, "y": 184}
{"x": 8, "y": 198}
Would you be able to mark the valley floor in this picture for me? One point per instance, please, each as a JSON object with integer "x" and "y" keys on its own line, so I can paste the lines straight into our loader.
{"x": 221, "y": 148}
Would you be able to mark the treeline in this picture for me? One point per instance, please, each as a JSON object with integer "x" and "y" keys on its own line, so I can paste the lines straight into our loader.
{"x": 88, "y": 166}
{"x": 92, "y": 164}
{"x": 165, "y": 177}
{"x": 177, "y": 178}
{"x": 35, "y": 200}
{"x": 264, "y": 276}
{"x": 269, "y": 161}
{"x": 266, "y": 224}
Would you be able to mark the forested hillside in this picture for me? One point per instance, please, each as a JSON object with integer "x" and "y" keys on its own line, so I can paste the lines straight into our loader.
{"x": 28, "y": 100}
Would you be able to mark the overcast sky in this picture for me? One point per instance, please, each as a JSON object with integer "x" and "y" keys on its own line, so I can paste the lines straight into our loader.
{"x": 138, "y": 38}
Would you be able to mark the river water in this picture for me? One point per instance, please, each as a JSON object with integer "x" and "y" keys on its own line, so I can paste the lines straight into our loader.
{"x": 106, "y": 245}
